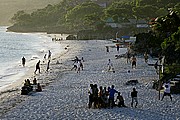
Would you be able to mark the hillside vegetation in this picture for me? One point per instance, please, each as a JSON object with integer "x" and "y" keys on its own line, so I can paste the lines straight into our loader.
{"x": 9, "y": 7}
{"x": 88, "y": 20}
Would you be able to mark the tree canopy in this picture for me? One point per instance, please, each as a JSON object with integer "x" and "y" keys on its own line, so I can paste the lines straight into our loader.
{"x": 77, "y": 17}
{"x": 84, "y": 14}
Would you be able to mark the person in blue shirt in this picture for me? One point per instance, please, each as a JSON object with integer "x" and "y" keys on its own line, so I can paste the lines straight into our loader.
{"x": 112, "y": 92}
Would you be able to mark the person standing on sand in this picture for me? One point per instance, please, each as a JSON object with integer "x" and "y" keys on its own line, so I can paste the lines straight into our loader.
{"x": 49, "y": 54}
{"x": 23, "y": 61}
{"x": 134, "y": 97}
{"x": 78, "y": 66}
{"x": 48, "y": 66}
{"x": 167, "y": 88}
{"x": 44, "y": 58}
{"x": 81, "y": 65}
{"x": 133, "y": 61}
{"x": 110, "y": 65}
{"x": 117, "y": 45}
{"x": 128, "y": 56}
{"x": 107, "y": 49}
{"x": 90, "y": 96}
{"x": 112, "y": 91}
{"x": 37, "y": 67}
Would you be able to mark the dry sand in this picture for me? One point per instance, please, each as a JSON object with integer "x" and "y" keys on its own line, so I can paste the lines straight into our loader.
{"x": 65, "y": 92}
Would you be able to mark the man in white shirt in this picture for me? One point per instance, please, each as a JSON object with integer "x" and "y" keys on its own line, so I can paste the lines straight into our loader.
{"x": 167, "y": 91}
{"x": 110, "y": 65}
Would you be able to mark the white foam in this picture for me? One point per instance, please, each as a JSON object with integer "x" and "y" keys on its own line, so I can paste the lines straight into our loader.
{"x": 12, "y": 69}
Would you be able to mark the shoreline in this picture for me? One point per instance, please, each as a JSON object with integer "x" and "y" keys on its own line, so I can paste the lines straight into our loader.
{"x": 29, "y": 73}
{"x": 13, "y": 90}
{"x": 12, "y": 70}
{"x": 66, "y": 93}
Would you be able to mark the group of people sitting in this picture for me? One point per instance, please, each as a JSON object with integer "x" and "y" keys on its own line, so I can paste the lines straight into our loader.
{"x": 104, "y": 98}
{"x": 29, "y": 87}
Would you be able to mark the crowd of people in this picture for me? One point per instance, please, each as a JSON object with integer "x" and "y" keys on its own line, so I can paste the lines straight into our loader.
{"x": 105, "y": 97}
{"x": 29, "y": 87}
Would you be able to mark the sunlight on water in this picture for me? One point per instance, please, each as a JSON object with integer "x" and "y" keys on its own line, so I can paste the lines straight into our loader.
{"x": 13, "y": 46}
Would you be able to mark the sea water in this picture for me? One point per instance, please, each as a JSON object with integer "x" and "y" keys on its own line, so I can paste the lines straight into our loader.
{"x": 13, "y": 46}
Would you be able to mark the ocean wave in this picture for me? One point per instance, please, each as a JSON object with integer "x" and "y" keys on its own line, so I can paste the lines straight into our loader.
{"x": 7, "y": 75}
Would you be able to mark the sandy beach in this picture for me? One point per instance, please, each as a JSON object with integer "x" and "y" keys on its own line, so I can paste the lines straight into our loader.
{"x": 65, "y": 92}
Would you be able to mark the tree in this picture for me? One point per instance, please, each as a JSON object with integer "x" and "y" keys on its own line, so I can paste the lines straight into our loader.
{"x": 177, "y": 8}
{"x": 171, "y": 48}
{"x": 20, "y": 18}
{"x": 145, "y": 12}
{"x": 161, "y": 12}
{"x": 165, "y": 26}
{"x": 78, "y": 15}
{"x": 119, "y": 11}
{"x": 148, "y": 2}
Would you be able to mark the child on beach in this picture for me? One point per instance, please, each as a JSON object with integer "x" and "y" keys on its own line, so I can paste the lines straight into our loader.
{"x": 35, "y": 81}
{"x": 120, "y": 100}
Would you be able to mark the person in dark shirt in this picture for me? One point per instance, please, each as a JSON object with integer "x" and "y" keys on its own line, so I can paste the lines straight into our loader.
{"x": 95, "y": 95}
{"x": 134, "y": 60}
{"x": 128, "y": 56}
{"x": 90, "y": 96}
{"x": 37, "y": 67}
{"x": 134, "y": 97}
{"x": 23, "y": 61}
{"x": 48, "y": 65}
{"x": 120, "y": 100}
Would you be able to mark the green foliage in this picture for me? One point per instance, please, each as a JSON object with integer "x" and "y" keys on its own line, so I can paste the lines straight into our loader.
{"x": 172, "y": 70}
{"x": 119, "y": 10}
{"x": 161, "y": 12}
{"x": 171, "y": 48}
{"x": 83, "y": 15}
{"x": 177, "y": 8}
{"x": 75, "y": 15}
{"x": 148, "y": 2}
{"x": 165, "y": 26}
{"x": 21, "y": 17}
{"x": 145, "y": 11}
